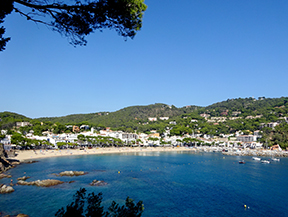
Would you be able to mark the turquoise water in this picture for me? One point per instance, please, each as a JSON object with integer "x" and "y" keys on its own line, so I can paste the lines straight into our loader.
{"x": 169, "y": 184}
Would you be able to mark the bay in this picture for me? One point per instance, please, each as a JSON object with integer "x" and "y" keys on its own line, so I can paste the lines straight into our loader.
{"x": 168, "y": 183}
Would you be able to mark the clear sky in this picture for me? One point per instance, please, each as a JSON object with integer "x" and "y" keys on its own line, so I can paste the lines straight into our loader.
{"x": 189, "y": 52}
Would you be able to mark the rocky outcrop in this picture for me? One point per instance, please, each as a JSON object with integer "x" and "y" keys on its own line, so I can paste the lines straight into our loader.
{"x": 4, "y": 189}
{"x": 31, "y": 161}
{"x": 22, "y": 215}
{"x": 71, "y": 173}
{"x": 98, "y": 183}
{"x": 4, "y": 176}
{"x": 4, "y": 164}
{"x": 41, "y": 183}
{"x": 24, "y": 178}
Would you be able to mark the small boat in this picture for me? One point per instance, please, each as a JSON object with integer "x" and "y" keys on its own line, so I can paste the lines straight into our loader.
{"x": 275, "y": 159}
{"x": 241, "y": 162}
{"x": 256, "y": 158}
{"x": 265, "y": 161}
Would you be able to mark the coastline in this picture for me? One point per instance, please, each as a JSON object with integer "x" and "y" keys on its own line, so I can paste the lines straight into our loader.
{"x": 27, "y": 155}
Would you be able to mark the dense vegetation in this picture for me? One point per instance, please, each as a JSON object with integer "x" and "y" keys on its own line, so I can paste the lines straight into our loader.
{"x": 90, "y": 205}
{"x": 227, "y": 117}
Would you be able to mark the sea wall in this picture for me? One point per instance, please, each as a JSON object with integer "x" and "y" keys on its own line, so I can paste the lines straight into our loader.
{"x": 260, "y": 153}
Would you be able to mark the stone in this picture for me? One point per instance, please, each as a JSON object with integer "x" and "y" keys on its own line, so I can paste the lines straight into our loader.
{"x": 23, "y": 178}
{"x": 41, "y": 183}
{"x": 98, "y": 183}
{"x": 4, "y": 189}
{"x": 4, "y": 176}
{"x": 72, "y": 173}
{"x": 31, "y": 162}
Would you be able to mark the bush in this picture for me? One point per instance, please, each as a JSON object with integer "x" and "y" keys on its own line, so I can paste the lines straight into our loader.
{"x": 90, "y": 206}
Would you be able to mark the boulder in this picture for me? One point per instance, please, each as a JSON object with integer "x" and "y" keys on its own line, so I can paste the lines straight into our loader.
{"x": 41, "y": 183}
{"x": 31, "y": 162}
{"x": 14, "y": 163}
{"x": 98, "y": 183}
{"x": 72, "y": 173}
{"x": 22, "y": 215}
{"x": 4, "y": 189}
{"x": 4, "y": 176}
{"x": 23, "y": 178}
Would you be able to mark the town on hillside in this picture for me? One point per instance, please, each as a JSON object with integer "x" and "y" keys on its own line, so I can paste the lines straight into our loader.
{"x": 232, "y": 124}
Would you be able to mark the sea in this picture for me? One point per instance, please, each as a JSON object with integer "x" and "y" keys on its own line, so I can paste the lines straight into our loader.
{"x": 168, "y": 183}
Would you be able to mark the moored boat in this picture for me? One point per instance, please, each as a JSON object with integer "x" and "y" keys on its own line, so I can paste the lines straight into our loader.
{"x": 256, "y": 158}
{"x": 265, "y": 161}
{"x": 275, "y": 159}
{"x": 241, "y": 162}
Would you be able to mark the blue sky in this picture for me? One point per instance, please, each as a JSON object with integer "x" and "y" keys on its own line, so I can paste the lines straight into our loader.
{"x": 188, "y": 52}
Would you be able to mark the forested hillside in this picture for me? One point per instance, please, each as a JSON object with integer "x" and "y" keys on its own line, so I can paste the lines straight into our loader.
{"x": 227, "y": 117}
{"x": 248, "y": 106}
{"x": 8, "y": 119}
{"x": 124, "y": 116}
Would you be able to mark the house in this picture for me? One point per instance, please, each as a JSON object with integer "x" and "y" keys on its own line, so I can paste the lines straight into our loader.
{"x": 75, "y": 129}
{"x": 276, "y": 148}
{"x": 204, "y": 115}
{"x": 246, "y": 138}
{"x": 85, "y": 127}
{"x": 129, "y": 136}
{"x": 272, "y": 124}
{"x": 152, "y": 119}
{"x": 164, "y": 118}
{"x": 22, "y": 124}
{"x": 236, "y": 113}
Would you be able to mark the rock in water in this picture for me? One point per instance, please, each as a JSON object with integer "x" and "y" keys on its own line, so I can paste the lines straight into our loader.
{"x": 31, "y": 162}
{"x": 23, "y": 178}
{"x": 4, "y": 176}
{"x": 4, "y": 189}
{"x": 98, "y": 183}
{"x": 22, "y": 215}
{"x": 72, "y": 173}
{"x": 41, "y": 183}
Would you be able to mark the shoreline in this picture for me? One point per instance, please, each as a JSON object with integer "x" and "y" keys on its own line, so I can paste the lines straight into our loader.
{"x": 28, "y": 155}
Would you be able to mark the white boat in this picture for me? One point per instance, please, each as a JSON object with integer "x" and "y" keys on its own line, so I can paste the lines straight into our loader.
{"x": 256, "y": 158}
{"x": 265, "y": 161}
{"x": 275, "y": 159}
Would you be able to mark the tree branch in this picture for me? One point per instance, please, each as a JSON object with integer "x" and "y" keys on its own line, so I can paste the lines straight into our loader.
{"x": 49, "y": 6}
{"x": 30, "y": 18}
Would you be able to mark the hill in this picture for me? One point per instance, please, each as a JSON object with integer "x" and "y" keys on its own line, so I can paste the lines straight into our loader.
{"x": 8, "y": 119}
{"x": 125, "y": 115}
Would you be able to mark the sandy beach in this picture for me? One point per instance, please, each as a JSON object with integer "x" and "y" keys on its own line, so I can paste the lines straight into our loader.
{"x": 28, "y": 155}
{"x": 38, "y": 154}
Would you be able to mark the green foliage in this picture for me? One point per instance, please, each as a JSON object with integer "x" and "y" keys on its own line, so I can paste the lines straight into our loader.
{"x": 276, "y": 136}
{"x": 153, "y": 139}
{"x": 78, "y": 20}
{"x": 19, "y": 139}
{"x": 9, "y": 119}
{"x": 100, "y": 140}
{"x": 135, "y": 118}
{"x": 180, "y": 130}
{"x": 90, "y": 205}
{"x": 131, "y": 117}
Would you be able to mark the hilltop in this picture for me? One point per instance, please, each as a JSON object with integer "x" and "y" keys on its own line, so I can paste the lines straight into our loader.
{"x": 125, "y": 115}
{"x": 226, "y": 118}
